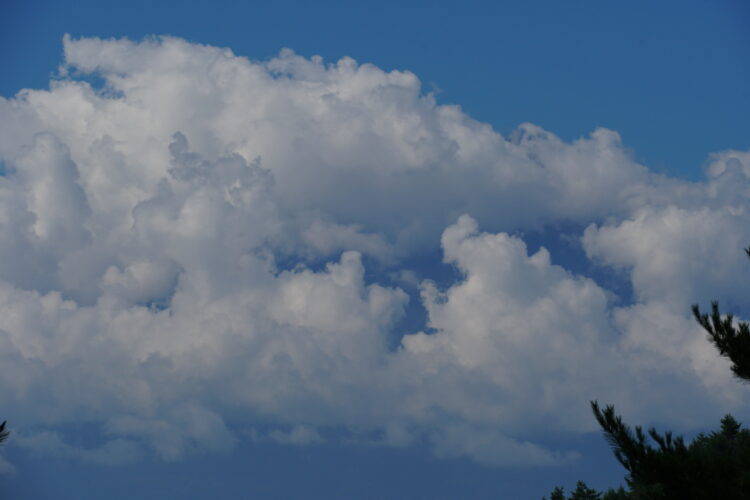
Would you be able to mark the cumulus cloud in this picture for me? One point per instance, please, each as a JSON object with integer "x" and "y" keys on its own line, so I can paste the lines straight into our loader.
{"x": 299, "y": 435}
{"x": 49, "y": 443}
{"x": 207, "y": 243}
{"x": 494, "y": 449}
{"x": 6, "y": 468}
{"x": 676, "y": 254}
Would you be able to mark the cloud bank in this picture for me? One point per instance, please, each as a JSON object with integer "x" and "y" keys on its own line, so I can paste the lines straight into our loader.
{"x": 204, "y": 245}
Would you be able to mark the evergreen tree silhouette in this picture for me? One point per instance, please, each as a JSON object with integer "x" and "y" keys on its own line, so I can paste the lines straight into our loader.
{"x": 712, "y": 466}
{"x": 733, "y": 343}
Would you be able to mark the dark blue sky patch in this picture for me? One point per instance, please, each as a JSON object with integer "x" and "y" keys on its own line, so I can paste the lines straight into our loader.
{"x": 563, "y": 241}
{"x": 329, "y": 471}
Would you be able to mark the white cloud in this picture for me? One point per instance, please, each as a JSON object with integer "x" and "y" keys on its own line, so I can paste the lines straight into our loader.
{"x": 187, "y": 427}
{"x": 208, "y": 243}
{"x": 6, "y": 468}
{"x": 677, "y": 255}
{"x": 493, "y": 449}
{"x": 114, "y": 452}
{"x": 299, "y": 435}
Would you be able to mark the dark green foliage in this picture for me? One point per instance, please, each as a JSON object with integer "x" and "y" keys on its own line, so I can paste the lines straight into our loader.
{"x": 3, "y": 433}
{"x": 733, "y": 343}
{"x": 716, "y": 465}
{"x": 618, "y": 494}
{"x": 557, "y": 494}
{"x": 583, "y": 492}
{"x": 713, "y": 466}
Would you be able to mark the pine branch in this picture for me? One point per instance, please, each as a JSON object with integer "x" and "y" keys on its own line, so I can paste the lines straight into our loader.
{"x": 630, "y": 449}
{"x": 732, "y": 343}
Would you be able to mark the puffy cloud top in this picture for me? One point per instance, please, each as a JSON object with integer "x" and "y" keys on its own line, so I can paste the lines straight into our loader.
{"x": 204, "y": 244}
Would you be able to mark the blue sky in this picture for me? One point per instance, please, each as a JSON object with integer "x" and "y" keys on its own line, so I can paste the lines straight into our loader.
{"x": 669, "y": 77}
{"x": 257, "y": 274}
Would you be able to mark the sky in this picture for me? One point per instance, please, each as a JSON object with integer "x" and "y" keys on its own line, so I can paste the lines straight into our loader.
{"x": 316, "y": 250}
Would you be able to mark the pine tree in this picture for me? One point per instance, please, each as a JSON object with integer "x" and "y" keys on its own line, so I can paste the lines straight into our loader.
{"x": 3, "y": 433}
{"x": 557, "y": 494}
{"x": 716, "y": 465}
{"x": 713, "y": 466}
{"x": 583, "y": 492}
{"x": 733, "y": 343}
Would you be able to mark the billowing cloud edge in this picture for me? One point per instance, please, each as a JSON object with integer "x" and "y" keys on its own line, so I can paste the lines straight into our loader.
{"x": 190, "y": 249}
